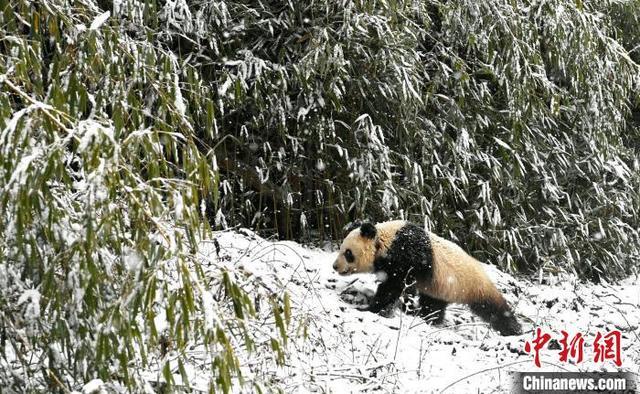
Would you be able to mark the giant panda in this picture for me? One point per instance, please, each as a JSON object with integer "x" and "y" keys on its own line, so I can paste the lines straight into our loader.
{"x": 404, "y": 256}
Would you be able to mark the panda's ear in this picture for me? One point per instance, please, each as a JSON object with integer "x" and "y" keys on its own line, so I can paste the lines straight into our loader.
{"x": 349, "y": 227}
{"x": 368, "y": 230}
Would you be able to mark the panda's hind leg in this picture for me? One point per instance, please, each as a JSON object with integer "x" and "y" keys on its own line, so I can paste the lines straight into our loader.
{"x": 432, "y": 309}
{"x": 499, "y": 315}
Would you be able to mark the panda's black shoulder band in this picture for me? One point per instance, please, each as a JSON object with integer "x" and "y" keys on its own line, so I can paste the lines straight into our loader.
{"x": 368, "y": 230}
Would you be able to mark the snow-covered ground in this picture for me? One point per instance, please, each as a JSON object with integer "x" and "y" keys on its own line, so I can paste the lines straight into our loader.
{"x": 347, "y": 350}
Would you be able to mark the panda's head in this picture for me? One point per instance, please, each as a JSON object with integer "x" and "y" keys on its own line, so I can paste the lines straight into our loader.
{"x": 358, "y": 251}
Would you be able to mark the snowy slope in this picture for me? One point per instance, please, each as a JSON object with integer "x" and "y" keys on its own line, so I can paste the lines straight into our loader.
{"x": 347, "y": 350}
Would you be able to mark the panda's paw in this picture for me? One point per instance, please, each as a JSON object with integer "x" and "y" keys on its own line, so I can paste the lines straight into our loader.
{"x": 387, "y": 312}
{"x": 355, "y": 297}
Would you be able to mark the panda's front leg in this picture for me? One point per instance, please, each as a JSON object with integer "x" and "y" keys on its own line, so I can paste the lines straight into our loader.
{"x": 386, "y": 296}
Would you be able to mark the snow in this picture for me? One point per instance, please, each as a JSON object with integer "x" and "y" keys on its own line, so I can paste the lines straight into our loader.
{"x": 99, "y": 20}
{"x": 222, "y": 90}
{"x": 93, "y": 387}
{"x": 178, "y": 205}
{"x": 133, "y": 260}
{"x": 348, "y": 350}
{"x": 211, "y": 318}
{"x": 91, "y": 132}
{"x": 21, "y": 172}
{"x": 31, "y": 299}
{"x": 220, "y": 220}
{"x": 178, "y": 101}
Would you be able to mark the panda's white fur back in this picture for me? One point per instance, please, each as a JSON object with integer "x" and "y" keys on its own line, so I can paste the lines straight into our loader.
{"x": 457, "y": 277}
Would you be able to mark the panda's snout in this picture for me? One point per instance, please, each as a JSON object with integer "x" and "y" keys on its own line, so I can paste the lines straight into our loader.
{"x": 335, "y": 265}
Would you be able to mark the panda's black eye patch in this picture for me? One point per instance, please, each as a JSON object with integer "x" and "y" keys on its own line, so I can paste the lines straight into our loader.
{"x": 349, "y": 256}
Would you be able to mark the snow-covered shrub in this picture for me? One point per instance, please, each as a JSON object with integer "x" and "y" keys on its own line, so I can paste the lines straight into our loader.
{"x": 103, "y": 188}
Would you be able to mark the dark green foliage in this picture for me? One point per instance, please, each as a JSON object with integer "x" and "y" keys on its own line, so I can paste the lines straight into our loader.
{"x": 507, "y": 125}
